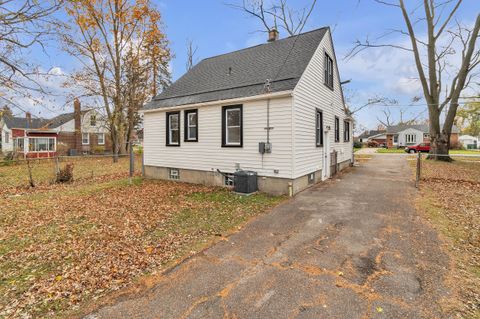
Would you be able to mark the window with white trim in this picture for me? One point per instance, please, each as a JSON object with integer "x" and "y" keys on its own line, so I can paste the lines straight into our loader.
{"x": 85, "y": 139}
{"x": 173, "y": 129}
{"x": 101, "y": 138}
{"x": 410, "y": 138}
{"x": 7, "y": 137}
{"x": 174, "y": 174}
{"x": 41, "y": 144}
{"x": 191, "y": 125}
{"x": 93, "y": 120}
{"x": 229, "y": 179}
{"x": 232, "y": 126}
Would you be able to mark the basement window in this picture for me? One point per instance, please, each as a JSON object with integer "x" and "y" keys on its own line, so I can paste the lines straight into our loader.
{"x": 229, "y": 180}
{"x": 174, "y": 174}
{"x": 311, "y": 178}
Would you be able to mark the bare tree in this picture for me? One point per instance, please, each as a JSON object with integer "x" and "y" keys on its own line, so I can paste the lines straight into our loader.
{"x": 24, "y": 24}
{"x": 433, "y": 60}
{"x": 387, "y": 118}
{"x": 277, "y": 14}
{"x": 191, "y": 51}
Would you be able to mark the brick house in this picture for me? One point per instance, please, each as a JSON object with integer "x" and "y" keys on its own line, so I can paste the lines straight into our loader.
{"x": 79, "y": 132}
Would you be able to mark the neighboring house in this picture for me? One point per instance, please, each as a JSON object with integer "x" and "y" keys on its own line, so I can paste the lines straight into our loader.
{"x": 77, "y": 132}
{"x": 276, "y": 109}
{"x": 380, "y": 139}
{"x": 403, "y": 135}
{"x": 469, "y": 142}
{"x": 366, "y": 135}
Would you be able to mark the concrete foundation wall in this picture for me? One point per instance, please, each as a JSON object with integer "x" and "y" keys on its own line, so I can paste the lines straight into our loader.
{"x": 269, "y": 185}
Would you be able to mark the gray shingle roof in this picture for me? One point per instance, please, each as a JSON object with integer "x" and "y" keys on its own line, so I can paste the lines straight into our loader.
{"x": 21, "y": 122}
{"x": 366, "y": 134}
{"x": 394, "y": 129}
{"x": 243, "y": 73}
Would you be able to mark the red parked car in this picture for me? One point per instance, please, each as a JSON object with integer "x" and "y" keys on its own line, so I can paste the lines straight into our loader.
{"x": 422, "y": 147}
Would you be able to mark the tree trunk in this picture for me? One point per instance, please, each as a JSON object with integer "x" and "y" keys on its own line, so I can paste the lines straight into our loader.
{"x": 439, "y": 146}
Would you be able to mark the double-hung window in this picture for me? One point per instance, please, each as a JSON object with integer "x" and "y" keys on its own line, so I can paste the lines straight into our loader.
{"x": 173, "y": 129}
{"x": 232, "y": 126}
{"x": 337, "y": 129}
{"x": 85, "y": 139}
{"x": 346, "y": 131}
{"x": 410, "y": 138}
{"x": 191, "y": 126}
{"x": 319, "y": 128}
{"x": 328, "y": 71}
{"x": 101, "y": 138}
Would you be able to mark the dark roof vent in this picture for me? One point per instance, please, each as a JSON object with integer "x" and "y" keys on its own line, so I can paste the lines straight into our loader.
{"x": 230, "y": 70}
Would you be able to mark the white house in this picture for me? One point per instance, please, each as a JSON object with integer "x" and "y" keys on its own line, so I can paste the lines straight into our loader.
{"x": 403, "y": 135}
{"x": 276, "y": 109}
{"x": 469, "y": 142}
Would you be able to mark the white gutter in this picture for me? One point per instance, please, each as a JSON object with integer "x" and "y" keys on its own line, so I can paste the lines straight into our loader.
{"x": 229, "y": 101}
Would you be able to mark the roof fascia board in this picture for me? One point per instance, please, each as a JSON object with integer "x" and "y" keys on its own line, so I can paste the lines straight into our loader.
{"x": 229, "y": 101}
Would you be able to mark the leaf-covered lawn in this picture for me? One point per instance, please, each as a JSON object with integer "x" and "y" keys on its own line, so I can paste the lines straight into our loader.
{"x": 450, "y": 197}
{"x": 390, "y": 150}
{"x": 14, "y": 177}
{"x": 64, "y": 245}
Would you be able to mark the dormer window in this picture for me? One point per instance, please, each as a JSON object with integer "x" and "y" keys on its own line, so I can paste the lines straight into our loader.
{"x": 93, "y": 120}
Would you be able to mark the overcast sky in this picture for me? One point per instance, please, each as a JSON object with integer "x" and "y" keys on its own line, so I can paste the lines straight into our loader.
{"x": 216, "y": 28}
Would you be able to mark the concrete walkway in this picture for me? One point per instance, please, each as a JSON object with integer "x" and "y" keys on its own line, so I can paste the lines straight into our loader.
{"x": 351, "y": 248}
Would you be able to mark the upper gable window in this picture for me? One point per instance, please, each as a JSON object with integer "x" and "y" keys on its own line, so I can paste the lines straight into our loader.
{"x": 328, "y": 71}
{"x": 93, "y": 120}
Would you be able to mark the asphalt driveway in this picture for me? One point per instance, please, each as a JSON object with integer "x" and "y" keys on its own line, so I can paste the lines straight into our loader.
{"x": 352, "y": 247}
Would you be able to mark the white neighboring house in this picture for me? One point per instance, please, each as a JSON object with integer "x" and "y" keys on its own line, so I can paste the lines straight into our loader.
{"x": 6, "y": 139}
{"x": 404, "y": 135}
{"x": 276, "y": 109}
{"x": 469, "y": 142}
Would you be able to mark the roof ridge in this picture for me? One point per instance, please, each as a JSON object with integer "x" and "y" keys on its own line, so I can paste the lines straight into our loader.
{"x": 262, "y": 44}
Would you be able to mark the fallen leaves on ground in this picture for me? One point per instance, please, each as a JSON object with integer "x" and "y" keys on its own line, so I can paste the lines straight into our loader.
{"x": 70, "y": 243}
{"x": 450, "y": 197}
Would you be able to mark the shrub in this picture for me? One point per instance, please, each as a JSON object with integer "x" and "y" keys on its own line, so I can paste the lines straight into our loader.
{"x": 65, "y": 174}
{"x": 99, "y": 149}
{"x": 357, "y": 144}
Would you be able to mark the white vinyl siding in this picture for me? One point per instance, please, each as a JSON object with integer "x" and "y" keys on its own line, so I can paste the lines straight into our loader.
{"x": 310, "y": 94}
{"x": 209, "y": 155}
{"x": 410, "y": 136}
{"x": 6, "y": 143}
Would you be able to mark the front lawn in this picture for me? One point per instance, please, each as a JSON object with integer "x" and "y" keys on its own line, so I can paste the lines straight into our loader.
{"x": 64, "y": 246}
{"x": 390, "y": 150}
{"x": 449, "y": 197}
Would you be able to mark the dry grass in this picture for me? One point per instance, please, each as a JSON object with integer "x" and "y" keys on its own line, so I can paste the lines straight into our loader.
{"x": 64, "y": 245}
{"x": 14, "y": 176}
{"x": 450, "y": 198}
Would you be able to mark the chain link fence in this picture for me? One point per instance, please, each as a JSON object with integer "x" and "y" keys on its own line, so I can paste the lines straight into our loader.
{"x": 471, "y": 158}
{"x": 40, "y": 171}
